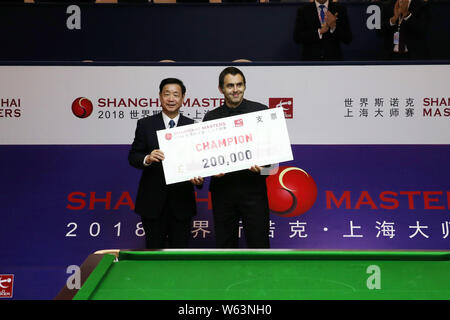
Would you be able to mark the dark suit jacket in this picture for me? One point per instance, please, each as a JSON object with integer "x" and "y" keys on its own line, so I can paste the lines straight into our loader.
{"x": 305, "y": 33}
{"x": 153, "y": 193}
{"x": 413, "y": 30}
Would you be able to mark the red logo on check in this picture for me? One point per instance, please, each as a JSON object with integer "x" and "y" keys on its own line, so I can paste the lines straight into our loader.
{"x": 6, "y": 285}
{"x": 238, "y": 123}
{"x": 168, "y": 136}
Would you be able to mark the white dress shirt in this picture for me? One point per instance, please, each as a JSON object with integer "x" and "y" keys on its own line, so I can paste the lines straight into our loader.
{"x": 166, "y": 120}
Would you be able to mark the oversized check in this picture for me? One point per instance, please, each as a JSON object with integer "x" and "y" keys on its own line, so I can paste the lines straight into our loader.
{"x": 225, "y": 145}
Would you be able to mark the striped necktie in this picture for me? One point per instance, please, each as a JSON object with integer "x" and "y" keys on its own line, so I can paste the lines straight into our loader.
{"x": 322, "y": 14}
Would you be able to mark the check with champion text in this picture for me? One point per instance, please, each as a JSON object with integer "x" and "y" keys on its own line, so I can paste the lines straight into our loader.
{"x": 225, "y": 145}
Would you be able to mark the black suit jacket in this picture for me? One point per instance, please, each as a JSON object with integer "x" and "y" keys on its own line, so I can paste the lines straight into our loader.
{"x": 153, "y": 193}
{"x": 305, "y": 33}
{"x": 414, "y": 30}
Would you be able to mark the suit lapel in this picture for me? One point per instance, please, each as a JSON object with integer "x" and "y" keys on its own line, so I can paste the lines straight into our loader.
{"x": 332, "y": 7}
{"x": 183, "y": 121}
{"x": 314, "y": 15}
{"x": 412, "y": 6}
{"x": 159, "y": 122}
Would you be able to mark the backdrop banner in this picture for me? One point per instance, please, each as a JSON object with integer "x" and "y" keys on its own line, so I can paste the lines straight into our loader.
{"x": 370, "y": 168}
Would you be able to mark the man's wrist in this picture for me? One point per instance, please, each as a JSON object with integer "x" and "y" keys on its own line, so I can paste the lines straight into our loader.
{"x": 322, "y": 30}
{"x": 145, "y": 161}
{"x": 393, "y": 20}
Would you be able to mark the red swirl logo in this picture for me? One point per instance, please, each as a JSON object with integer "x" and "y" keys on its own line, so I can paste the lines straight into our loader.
{"x": 82, "y": 107}
{"x": 291, "y": 192}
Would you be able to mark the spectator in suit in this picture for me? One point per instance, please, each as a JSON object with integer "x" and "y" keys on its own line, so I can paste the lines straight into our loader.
{"x": 166, "y": 210}
{"x": 321, "y": 27}
{"x": 404, "y": 27}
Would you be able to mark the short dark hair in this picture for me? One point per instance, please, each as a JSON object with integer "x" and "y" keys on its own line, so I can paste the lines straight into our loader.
{"x": 229, "y": 70}
{"x": 172, "y": 81}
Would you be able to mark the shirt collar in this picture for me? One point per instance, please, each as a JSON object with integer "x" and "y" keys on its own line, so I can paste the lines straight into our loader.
{"x": 166, "y": 119}
{"x": 318, "y": 4}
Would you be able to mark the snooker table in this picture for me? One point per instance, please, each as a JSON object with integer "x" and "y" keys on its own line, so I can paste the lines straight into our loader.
{"x": 245, "y": 274}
